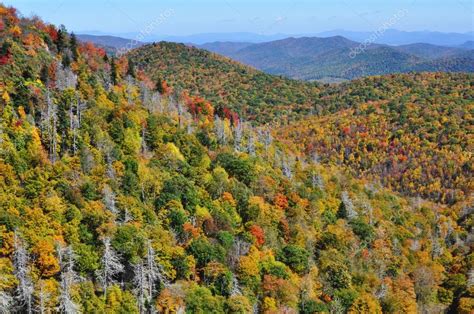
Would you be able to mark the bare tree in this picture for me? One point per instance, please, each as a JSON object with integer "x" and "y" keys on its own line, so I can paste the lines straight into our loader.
{"x": 130, "y": 82}
{"x": 68, "y": 279}
{"x": 251, "y": 146}
{"x": 236, "y": 290}
{"x": 267, "y": 139}
{"x": 49, "y": 122}
{"x": 144, "y": 147}
{"x": 349, "y": 206}
{"x": 21, "y": 264}
{"x": 109, "y": 199}
{"x": 111, "y": 266}
{"x": 139, "y": 280}
{"x": 238, "y": 133}
{"x": 147, "y": 273}
{"x": 286, "y": 165}
{"x": 470, "y": 278}
{"x": 65, "y": 78}
{"x": 6, "y": 303}
{"x": 43, "y": 298}
{"x": 145, "y": 96}
{"x": 219, "y": 129}
{"x": 156, "y": 103}
{"x": 317, "y": 181}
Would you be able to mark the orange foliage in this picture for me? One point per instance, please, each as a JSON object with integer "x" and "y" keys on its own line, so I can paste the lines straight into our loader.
{"x": 46, "y": 260}
{"x": 189, "y": 229}
{"x": 281, "y": 201}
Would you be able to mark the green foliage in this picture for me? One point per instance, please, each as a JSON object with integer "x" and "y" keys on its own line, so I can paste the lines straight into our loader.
{"x": 296, "y": 257}
{"x": 241, "y": 169}
{"x": 200, "y": 300}
{"x": 363, "y": 230}
{"x": 204, "y": 251}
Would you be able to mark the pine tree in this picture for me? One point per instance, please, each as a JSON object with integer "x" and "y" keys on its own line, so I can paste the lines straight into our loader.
{"x": 159, "y": 86}
{"x": 131, "y": 68}
{"x": 61, "y": 41}
{"x": 73, "y": 46}
{"x": 114, "y": 71}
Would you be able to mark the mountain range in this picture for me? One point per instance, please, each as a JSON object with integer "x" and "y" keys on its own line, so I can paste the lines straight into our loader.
{"x": 327, "y": 59}
{"x": 388, "y": 37}
{"x": 338, "y": 58}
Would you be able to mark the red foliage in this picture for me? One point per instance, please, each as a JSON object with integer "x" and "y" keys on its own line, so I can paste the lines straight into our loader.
{"x": 326, "y": 298}
{"x": 258, "y": 233}
{"x": 346, "y": 130}
{"x": 4, "y": 59}
{"x": 232, "y": 116}
{"x": 165, "y": 88}
{"x": 2, "y": 25}
{"x": 198, "y": 106}
{"x": 53, "y": 32}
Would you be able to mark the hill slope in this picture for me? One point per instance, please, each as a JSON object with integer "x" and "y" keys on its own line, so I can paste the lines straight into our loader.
{"x": 411, "y": 132}
{"x": 222, "y": 81}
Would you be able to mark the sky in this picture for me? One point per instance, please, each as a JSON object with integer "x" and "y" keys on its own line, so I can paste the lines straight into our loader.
{"x": 185, "y": 17}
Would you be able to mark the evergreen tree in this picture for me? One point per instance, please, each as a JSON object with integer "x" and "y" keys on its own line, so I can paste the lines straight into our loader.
{"x": 114, "y": 71}
{"x": 74, "y": 46}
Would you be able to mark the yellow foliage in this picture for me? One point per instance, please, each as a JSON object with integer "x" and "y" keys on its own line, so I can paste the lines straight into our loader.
{"x": 16, "y": 31}
{"x": 7, "y": 279}
{"x": 366, "y": 303}
{"x": 248, "y": 266}
{"x": 466, "y": 306}
{"x": 6, "y": 97}
{"x": 269, "y": 305}
{"x": 202, "y": 213}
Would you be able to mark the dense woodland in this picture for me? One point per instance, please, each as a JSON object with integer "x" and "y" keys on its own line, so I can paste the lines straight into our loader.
{"x": 122, "y": 192}
{"x": 412, "y": 132}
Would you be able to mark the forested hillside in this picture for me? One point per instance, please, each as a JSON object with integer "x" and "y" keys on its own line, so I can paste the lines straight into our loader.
{"x": 410, "y": 132}
{"x": 224, "y": 82}
{"x": 121, "y": 194}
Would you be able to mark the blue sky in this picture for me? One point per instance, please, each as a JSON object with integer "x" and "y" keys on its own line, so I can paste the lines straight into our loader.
{"x": 183, "y": 17}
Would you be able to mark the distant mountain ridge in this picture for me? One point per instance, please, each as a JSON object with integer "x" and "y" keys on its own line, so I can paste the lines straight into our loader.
{"x": 335, "y": 58}
{"x": 397, "y": 37}
{"x": 111, "y": 43}
{"x": 389, "y": 37}
{"x": 327, "y": 59}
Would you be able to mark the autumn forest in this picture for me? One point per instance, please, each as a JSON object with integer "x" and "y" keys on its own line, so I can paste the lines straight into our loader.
{"x": 173, "y": 180}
